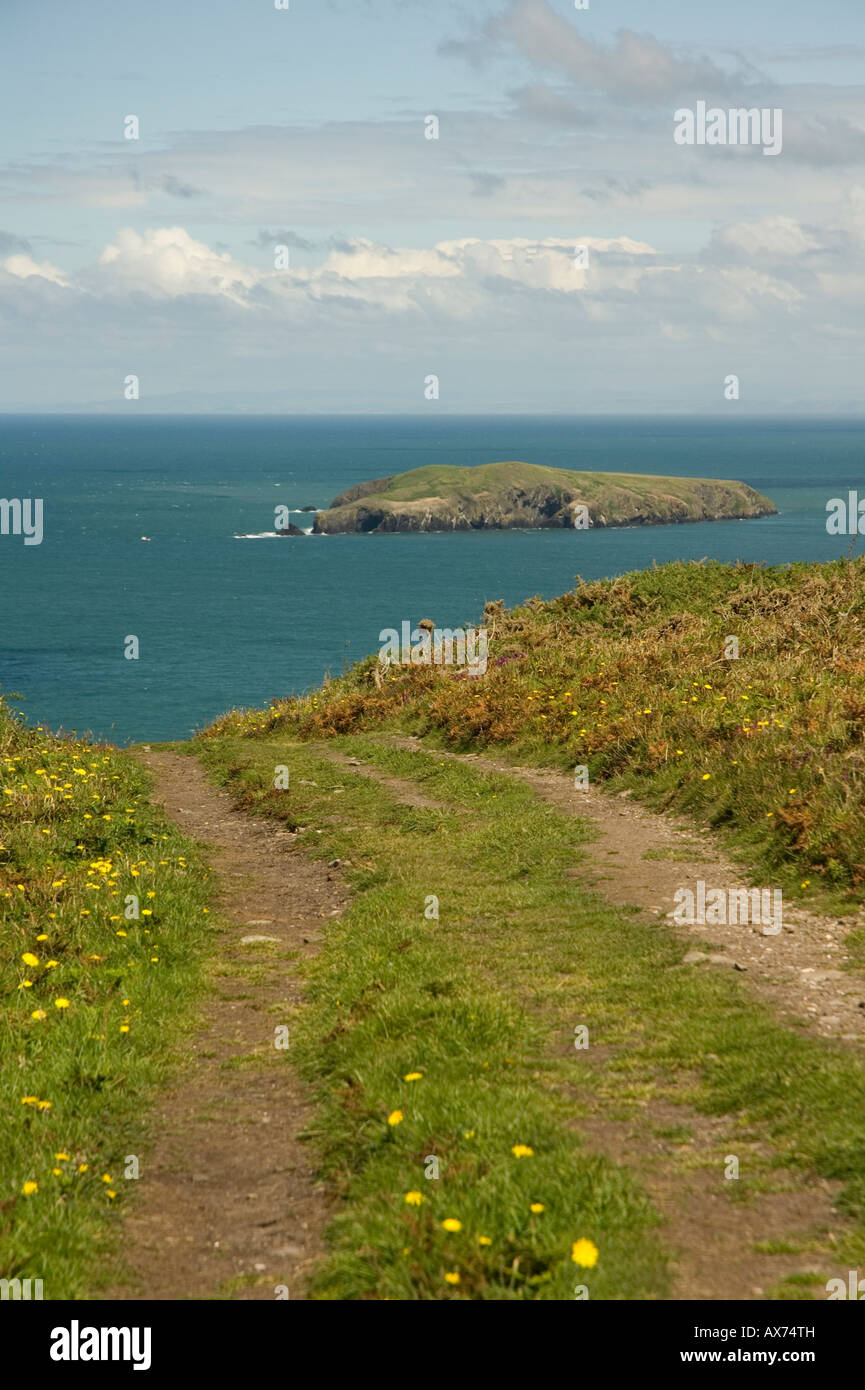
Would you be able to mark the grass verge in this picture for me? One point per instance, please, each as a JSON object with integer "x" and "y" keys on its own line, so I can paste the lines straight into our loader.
{"x": 104, "y": 908}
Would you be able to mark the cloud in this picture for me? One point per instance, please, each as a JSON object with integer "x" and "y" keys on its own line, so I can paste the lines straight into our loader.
{"x": 23, "y": 267}
{"x": 167, "y": 260}
{"x": 778, "y": 237}
{"x": 454, "y": 277}
{"x": 635, "y": 68}
{"x": 776, "y": 262}
{"x": 468, "y": 279}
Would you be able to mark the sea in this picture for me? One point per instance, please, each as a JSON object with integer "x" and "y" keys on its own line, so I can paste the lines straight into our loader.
{"x": 223, "y": 622}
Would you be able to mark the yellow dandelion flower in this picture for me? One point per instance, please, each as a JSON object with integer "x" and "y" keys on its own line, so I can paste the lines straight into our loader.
{"x": 29, "y": 958}
{"x": 522, "y": 1151}
{"x": 61, "y": 1003}
{"x": 484, "y": 1240}
{"x": 29, "y": 1188}
{"x": 38, "y": 1013}
{"x": 62, "y": 1157}
{"x": 414, "y": 1199}
{"x": 395, "y": 1117}
{"x": 452, "y": 1278}
{"x": 413, "y": 1076}
{"x": 450, "y": 1223}
{"x": 536, "y": 1207}
{"x": 584, "y": 1253}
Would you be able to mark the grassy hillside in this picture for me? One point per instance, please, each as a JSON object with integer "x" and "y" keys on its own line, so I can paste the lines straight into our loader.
{"x": 93, "y": 999}
{"x": 631, "y": 678}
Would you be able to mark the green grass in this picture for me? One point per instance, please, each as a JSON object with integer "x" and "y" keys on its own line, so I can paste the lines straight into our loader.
{"x": 77, "y": 835}
{"x": 442, "y": 480}
{"x": 484, "y": 1003}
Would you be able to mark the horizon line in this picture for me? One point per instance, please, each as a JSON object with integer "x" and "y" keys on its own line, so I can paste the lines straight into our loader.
{"x": 51, "y": 413}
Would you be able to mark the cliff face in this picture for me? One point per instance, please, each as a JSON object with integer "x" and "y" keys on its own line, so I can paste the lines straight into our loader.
{"x": 362, "y": 490}
{"x": 510, "y": 496}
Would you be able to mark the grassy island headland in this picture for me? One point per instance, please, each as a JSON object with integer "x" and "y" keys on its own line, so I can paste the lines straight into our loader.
{"x": 514, "y": 495}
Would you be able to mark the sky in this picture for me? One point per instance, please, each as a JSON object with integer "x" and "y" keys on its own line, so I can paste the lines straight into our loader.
{"x": 406, "y": 259}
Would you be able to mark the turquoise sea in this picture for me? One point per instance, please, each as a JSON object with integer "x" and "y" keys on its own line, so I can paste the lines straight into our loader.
{"x": 224, "y": 622}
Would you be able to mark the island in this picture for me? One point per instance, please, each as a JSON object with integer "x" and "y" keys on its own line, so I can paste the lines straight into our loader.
{"x": 514, "y": 495}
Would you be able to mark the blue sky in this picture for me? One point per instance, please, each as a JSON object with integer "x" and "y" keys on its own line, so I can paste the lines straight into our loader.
{"x": 409, "y": 256}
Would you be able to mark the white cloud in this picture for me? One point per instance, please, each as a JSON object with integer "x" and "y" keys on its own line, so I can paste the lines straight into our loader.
{"x": 777, "y": 236}
{"x": 169, "y": 263}
{"x": 24, "y": 267}
{"x": 468, "y": 279}
{"x": 169, "y": 260}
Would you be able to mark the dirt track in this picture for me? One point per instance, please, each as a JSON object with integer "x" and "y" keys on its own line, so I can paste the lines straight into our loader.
{"x": 228, "y": 1203}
